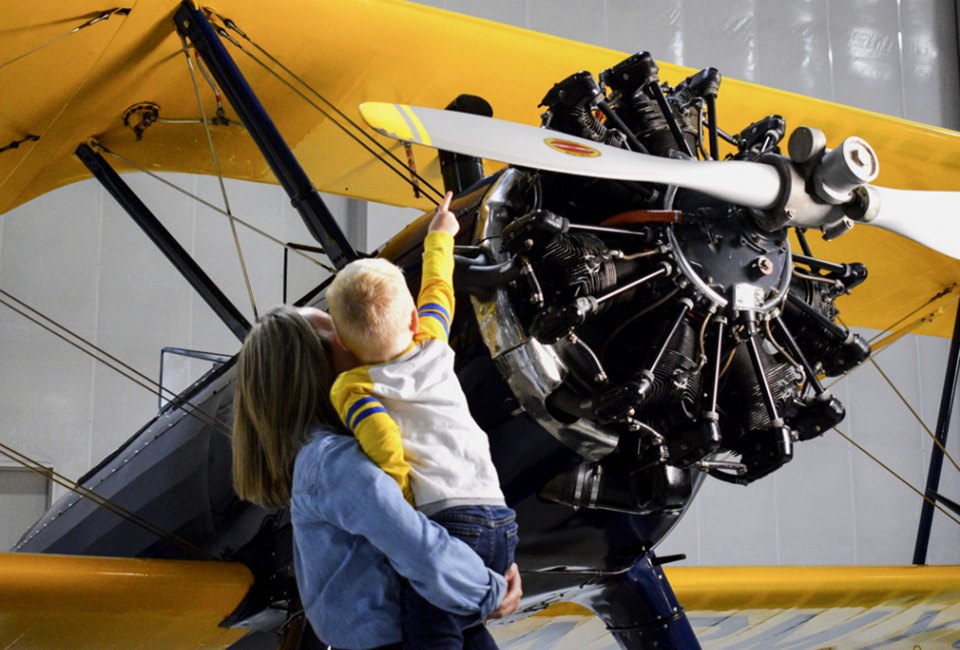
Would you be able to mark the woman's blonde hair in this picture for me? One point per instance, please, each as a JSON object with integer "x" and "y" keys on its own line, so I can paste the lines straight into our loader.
{"x": 371, "y": 308}
{"x": 282, "y": 389}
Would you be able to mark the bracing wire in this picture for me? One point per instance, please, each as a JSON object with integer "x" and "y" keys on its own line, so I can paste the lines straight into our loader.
{"x": 890, "y": 328}
{"x": 216, "y": 164}
{"x": 895, "y": 475}
{"x": 104, "y": 15}
{"x": 403, "y": 168}
{"x": 186, "y": 407}
{"x": 916, "y": 415}
{"x": 128, "y": 372}
{"x": 101, "y": 501}
{"x": 213, "y": 207}
{"x": 903, "y": 398}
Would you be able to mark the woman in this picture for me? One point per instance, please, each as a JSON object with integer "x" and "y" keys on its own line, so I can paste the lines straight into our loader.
{"x": 353, "y": 530}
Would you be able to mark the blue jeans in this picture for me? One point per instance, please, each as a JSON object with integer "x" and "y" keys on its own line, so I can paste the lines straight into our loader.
{"x": 491, "y": 531}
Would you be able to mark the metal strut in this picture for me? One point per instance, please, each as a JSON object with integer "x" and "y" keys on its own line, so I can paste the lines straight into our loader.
{"x": 166, "y": 242}
{"x": 192, "y": 24}
{"x": 936, "y": 454}
{"x": 784, "y": 439}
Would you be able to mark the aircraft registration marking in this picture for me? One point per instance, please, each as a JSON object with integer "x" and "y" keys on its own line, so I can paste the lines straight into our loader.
{"x": 571, "y": 148}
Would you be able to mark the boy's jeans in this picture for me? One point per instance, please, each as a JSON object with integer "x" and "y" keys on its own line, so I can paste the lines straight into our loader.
{"x": 491, "y": 531}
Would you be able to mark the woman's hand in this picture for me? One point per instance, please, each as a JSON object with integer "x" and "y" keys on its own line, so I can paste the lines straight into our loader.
{"x": 511, "y": 599}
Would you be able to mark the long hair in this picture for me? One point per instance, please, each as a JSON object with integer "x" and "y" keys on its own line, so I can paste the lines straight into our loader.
{"x": 371, "y": 307}
{"x": 282, "y": 389}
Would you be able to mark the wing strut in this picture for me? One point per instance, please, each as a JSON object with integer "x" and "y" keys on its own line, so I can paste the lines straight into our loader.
{"x": 166, "y": 242}
{"x": 192, "y": 24}
{"x": 936, "y": 453}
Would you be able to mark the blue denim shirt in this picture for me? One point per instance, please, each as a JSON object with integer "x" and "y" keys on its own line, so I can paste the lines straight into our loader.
{"x": 353, "y": 532}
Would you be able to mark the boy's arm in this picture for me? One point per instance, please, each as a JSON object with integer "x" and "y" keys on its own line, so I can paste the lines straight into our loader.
{"x": 377, "y": 432}
{"x": 435, "y": 303}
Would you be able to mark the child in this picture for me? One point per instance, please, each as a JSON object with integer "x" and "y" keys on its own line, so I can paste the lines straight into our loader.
{"x": 409, "y": 413}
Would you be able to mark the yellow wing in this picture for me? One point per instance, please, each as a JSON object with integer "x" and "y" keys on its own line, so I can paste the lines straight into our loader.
{"x": 58, "y": 601}
{"x": 351, "y": 51}
{"x": 780, "y": 607}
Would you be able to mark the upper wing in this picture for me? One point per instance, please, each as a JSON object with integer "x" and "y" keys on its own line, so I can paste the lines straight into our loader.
{"x": 351, "y": 51}
{"x": 58, "y": 601}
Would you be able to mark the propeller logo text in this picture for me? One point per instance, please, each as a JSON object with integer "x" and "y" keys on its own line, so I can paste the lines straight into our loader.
{"x": 571, "y": 148}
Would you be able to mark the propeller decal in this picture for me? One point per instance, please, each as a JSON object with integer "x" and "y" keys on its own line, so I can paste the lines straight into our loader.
{"x": 571, "y": 148}
{"x": 925, "y": 217}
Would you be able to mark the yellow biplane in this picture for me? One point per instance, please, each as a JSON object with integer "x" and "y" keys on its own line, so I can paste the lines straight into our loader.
{"x": 630, "y": 335}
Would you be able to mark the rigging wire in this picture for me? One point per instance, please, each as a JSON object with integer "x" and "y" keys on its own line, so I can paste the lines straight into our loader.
{"x": 405, "y": 169}
{"x": 86, "y": 493}
{"x": 147, "y": 383}
{"x": 895, "y": 475}
{"x": 936, "y": 297}
{"x": 903, "y": 399}
{"x": 216, "y": 164}
{"x": 915, "y": 415}
{"x": 213, "y": 207}
{"x": 104, "y": 15}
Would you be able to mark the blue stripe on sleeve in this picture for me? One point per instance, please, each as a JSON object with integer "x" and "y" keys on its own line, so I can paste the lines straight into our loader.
{"x": 436, "y": 307}
{"x": 438, "y": 317}
{"x": 365, "y": 414}
{"x": 359, "y": 404}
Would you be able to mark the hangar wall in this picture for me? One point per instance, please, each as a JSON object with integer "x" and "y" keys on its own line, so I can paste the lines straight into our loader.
{"x": 75, "y": 256}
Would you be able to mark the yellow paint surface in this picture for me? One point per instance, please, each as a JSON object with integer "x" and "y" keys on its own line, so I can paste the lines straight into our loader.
{"x": 57, "y": 601}
{"x": 352, "y": 51}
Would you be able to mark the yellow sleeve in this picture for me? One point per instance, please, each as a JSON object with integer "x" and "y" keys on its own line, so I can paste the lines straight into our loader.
{"x": 435, "y": 303}
{"x": 377, "y": 432}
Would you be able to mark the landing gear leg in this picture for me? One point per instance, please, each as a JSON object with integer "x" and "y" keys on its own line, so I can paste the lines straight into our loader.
{"x": 640, "y": 609}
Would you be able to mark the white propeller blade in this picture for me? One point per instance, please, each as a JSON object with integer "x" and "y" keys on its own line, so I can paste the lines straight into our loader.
{"x": 926, "y": 217}
{"x": 738, "y": 182}
{"x": 929, "y": 218}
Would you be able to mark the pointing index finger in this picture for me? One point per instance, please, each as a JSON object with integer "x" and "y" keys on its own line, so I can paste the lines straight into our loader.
{"x": 445, "y": 204}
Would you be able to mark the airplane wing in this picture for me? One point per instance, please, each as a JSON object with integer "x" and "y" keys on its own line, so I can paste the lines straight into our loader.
{"x": 76, "y": 72}
{"x": 59, "y": 601}
{"x": 781, "y": 607}
{"x": 96, "y": 72}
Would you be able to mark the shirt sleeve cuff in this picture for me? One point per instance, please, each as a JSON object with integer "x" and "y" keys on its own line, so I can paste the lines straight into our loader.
{"x": 438, "y": 240}
{"x": 498, "y": 588}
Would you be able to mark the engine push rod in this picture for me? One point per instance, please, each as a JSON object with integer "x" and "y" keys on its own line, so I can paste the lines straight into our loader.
{"x": 785, "y": 440}
{"x": 767, "y": 394}
{"x": 663, "y": 270}
{"x": 799, "y": 356}
{"x": 717, "y": 363}
{"x": 685, "y": 306}
{"x": 654, "y": 89}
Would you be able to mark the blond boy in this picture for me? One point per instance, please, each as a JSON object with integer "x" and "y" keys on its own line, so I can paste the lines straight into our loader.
{"x": 408, "y": 411}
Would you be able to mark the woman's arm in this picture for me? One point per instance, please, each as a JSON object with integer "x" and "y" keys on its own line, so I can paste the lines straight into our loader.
{"x": 356, "y": 496}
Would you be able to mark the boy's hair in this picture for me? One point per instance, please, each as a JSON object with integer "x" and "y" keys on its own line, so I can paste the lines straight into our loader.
{"x": 281, "y": 390}
{"x": 371, "y": 308}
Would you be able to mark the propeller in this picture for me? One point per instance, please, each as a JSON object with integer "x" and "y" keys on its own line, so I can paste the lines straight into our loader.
{"x": 928, "y": 218}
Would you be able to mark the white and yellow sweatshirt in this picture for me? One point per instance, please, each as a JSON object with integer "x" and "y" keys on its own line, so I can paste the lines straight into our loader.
{"x": 410, "y": 414}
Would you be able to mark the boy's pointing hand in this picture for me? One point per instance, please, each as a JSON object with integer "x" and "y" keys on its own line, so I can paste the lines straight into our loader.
{"x": 444, "y": 220}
